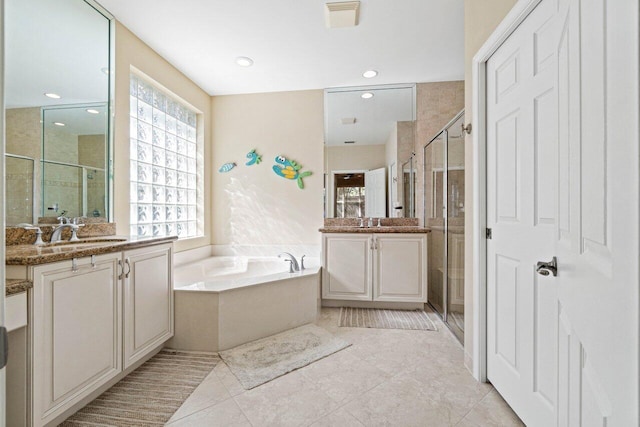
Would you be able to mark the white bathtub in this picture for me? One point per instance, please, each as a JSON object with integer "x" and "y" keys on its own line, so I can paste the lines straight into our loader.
{"x": 222, "y": 302}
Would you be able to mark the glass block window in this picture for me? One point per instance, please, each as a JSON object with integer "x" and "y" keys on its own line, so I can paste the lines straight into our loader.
{"x": 165, "y": 171}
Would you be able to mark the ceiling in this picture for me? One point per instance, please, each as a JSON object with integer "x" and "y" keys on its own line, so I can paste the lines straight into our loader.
{"x": 55, "y": 47}
{"x": 374, "y": 117}
{"x": 406, "y": 41}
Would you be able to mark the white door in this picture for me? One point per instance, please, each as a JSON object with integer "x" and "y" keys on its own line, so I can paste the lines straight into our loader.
{"x": 597, "y": 236}
{"x": 562, "y": 180}
{"x": 2, "y": 208}
{"x": 521, "y": 212}
{"x": 375, "y": 200}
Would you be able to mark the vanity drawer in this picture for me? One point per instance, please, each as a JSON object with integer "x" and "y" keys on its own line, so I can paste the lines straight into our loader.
{"x": 16, "y": 311}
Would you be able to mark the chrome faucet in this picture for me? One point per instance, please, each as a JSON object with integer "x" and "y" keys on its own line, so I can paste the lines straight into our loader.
{"x": 57, "y": 232}
{"x": 294, "y": 262}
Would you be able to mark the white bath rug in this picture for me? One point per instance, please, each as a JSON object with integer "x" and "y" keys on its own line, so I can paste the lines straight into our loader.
{"x": 263, "y": 360}
{"x": 385, "y": 319}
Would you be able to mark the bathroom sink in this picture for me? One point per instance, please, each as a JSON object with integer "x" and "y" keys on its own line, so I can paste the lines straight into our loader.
{"x": 92, "y": 241}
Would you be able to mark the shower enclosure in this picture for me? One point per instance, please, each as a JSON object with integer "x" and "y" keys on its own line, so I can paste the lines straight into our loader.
{"x": 444, "y": 214}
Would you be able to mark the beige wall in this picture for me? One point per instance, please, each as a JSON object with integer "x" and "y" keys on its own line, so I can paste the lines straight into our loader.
{"x": 253, "y": 205}
{"x": 363, "y": 157}
{"x": 131, "y": 52}
{"x": 481, "y": 17}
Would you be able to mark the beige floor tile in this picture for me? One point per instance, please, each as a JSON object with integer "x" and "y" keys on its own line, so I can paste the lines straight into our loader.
{"x": 491, "y": 411}
{"x": 229, "y": 380}
{"x": 387, "y": 377}
{"x": 343, "y": 376}
{"x": 291, "y": 400}
{"x": 210, "y": 392}
{"x": 399, "y": 402}
{"x": 224, "y": 414}
{"x": 457, "y": 390}
{"x": 339, "y": 418}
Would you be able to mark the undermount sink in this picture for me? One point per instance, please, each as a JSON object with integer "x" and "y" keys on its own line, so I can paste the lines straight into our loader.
{"x": 93, "y": 241}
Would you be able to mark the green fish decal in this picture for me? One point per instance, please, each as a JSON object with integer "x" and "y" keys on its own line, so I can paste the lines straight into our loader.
{"x": 254, "y": 158}
{"x": 290, "y": 169}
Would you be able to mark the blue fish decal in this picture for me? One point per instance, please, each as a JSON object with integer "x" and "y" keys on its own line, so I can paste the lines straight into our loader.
{"x": 227, "y": 167}
{"x": 290, "y": 169}
{"x": 253, "y": 158}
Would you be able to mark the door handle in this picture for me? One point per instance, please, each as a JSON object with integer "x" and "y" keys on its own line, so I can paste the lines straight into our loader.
{"x": 547, "y": 268}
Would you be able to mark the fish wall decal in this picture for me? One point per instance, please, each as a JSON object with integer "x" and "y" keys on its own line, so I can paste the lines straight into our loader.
{"x": 254, "y": 158}
{"x": 290, "y": 169}
{"x": 227, "y": 167}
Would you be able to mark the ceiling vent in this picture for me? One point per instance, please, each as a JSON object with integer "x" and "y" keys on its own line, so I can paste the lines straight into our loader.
{"x": 348, "y": 120}
{"x": 342, "y": 14}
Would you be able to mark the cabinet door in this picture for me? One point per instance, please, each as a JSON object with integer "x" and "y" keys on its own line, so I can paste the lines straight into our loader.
{"x": 76, "y": 332}
{"x": 400, "y": 267}
{"x": 148, "y": 300}
{"x": 346, "y": 266}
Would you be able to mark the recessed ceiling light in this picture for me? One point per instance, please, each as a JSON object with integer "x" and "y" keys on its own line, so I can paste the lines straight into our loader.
{"x": 58, "y": 123}
{"x": 105, "y": 70}
{"x": 367, "y": 95}
{"x": 52, "y": 95}
{"x": 369, "y": 74}
{"x": 243, "y": 61}
{"x": 92, "y": 111}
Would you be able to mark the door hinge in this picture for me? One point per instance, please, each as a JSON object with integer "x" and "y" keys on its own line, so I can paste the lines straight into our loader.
{"x": 488, "y": 234}
{"x": 4, "y": 346}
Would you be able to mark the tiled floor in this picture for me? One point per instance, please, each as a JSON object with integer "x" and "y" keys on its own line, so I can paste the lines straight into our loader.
{"x": 387, "y": 377}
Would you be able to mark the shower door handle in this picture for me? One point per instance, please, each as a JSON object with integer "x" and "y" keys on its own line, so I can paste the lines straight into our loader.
{"x": 548, "y": 268}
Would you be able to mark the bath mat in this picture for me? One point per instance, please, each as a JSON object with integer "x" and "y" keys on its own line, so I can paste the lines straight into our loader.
{"x": 261, "y": 361}
{"x": 385, "y": 319}
{"x": 149, "y": 395}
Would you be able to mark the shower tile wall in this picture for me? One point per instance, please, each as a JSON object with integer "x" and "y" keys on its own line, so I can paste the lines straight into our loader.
{"x": 89, "y": 155}
{"x": 436, "y": 104}
{"x": 22, "y": 138}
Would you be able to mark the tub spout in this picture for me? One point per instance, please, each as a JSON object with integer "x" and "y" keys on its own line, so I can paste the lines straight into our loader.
{"x": 294, "y": 263}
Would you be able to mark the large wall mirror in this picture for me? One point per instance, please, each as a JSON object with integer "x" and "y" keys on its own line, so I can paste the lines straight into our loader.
{"x": 57, "y": 90}
{"x": 369, "y": 159}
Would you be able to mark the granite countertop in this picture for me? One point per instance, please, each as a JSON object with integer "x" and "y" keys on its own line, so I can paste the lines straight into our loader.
{"x": 34, "y": 255}
{"x": 16, "y": 286}
{"x": 374, "y": 229}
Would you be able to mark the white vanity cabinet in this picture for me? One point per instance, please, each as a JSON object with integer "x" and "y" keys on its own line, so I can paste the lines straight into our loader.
{"x": 347, "y": 271}
{"x": 400, "y": 267}
{"x": 148, "y": 301}
{"x": 76, "y": 332}
{"x": 389, "y": 267}
{"x": 93, "y": 318}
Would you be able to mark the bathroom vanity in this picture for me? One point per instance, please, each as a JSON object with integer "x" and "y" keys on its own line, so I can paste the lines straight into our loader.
{"x": 374, "y": 266}
{"x": 94, "y": 311}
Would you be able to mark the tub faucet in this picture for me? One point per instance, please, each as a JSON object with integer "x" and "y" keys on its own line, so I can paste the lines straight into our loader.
{"x": 292, "y": 259}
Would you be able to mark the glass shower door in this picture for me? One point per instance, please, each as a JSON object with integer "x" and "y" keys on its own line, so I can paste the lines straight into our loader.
{"x": 455, "y": 227}
{"x": 444, "y": 215}
{"x": 434, "y": 218}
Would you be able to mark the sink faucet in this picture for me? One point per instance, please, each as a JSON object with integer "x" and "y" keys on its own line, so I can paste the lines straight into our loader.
{"x": 292, "y": 259}
{"x": 57, "y": 232}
